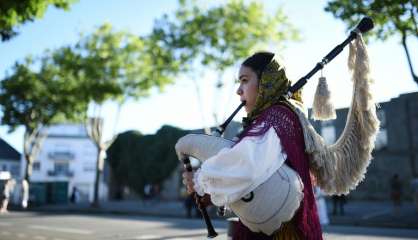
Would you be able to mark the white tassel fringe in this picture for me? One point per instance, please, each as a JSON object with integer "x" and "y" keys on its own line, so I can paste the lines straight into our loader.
{"x": 341, "y": 166}
{"x": 322, "y": 108}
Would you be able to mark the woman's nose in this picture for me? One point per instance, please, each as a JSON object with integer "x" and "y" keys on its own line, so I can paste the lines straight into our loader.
{"x": 239, "y": 90}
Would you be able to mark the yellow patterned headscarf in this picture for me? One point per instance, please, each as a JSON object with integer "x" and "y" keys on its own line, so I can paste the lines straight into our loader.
{"x": 271, "y": 88}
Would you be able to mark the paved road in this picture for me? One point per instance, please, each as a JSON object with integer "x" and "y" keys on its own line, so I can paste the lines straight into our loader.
{"x": 16, "y": 226}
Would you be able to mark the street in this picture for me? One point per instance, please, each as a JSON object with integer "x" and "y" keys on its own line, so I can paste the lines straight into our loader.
{"x": 29, "y": 225}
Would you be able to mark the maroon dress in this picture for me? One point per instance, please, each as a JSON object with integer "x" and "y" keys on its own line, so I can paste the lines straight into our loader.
{"x": 287, "y": 126}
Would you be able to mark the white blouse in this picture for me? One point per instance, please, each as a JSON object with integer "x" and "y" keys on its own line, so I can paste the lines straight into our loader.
{"x": 235, "y": 172}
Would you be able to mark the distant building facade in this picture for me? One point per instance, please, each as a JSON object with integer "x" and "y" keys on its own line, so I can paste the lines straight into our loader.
{"x": 67, "y": 161}
{"x": 396, "y": 149}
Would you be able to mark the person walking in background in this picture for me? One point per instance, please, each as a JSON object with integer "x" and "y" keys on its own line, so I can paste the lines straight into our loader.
{"x": 321, "y": 205}
{"x": 396, "y": 193}
{"x": 5, "y": 195}
{"x": 74, "y": 195}
{"x": 155, "y": 192}
{"x": 188, "y": 204}
{"x": 320, "y": 202}
{"x": 187, "y": 201}
{"x": 338, "y": 202}
{"x": 147, "y": 191}
{"x": 148, "y": 194}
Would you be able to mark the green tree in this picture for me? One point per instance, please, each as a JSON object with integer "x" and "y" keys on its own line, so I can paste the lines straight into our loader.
{"x": 137, "y": 160}
{"x": 121, "y": 64}
{"x": 216, "y": 38}
{"x": 119, "y": 155}
{"x": 34, "y": 99}
{"x": 117, "y": 66}
{"x": 15, "y": 13}
{"x": 391, "y": 17}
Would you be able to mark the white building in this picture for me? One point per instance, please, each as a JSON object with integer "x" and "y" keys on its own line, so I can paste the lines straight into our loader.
{"x": 67, "y": 159}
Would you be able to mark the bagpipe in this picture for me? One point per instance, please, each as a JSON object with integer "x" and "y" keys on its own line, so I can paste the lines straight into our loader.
{"x": 255, "y": 209}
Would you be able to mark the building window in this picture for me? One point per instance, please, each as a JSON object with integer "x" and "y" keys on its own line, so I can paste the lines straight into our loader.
{"x": 328, "y": 132}
{"x": 61, "y": 155}
{"x": 381, "y": 115}
{"x": 36, "y": 166}
{"x": 89, "y": 166}
{"x": 14, "y": 170}
{"x": 61, "y": 168}
{"x": 382, "y": 135}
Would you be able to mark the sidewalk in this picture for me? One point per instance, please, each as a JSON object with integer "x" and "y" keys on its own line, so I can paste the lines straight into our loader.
{"x": 376, "y": 214}
{"x": 357, "y": 213}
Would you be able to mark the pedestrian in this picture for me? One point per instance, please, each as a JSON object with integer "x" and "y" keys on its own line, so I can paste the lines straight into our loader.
{"x": 5, "y": 195}
{"x": 155, "y": 192}
{"x": 338, "y": 202}
{"x": 188, "y": 205}
{"x": 74, "y": 195}
{"x": 396, "y": 193}
{"x": 321, "y": 205}
{"x": 188, "y": 202}
{"x": 147, "y": 191}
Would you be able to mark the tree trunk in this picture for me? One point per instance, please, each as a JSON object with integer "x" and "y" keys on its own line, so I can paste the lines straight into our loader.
{"x": 26, "y": 181}
{"x": 408, "y": 57}
{"x": 28, "y": 167}
{"x": 99, "y": 171}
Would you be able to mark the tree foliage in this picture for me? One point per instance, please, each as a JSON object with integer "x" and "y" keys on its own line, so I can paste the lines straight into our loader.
{"x": 36, "y": 98}
{"x": 122, "y": 64}
{"x": 62, "y": 82}
{"x": 15, "y": 13}
{"x": 221, "y": 35}
{"x": 218, "y": 37}
{"x": 137, "y": 160}
{"x": 117, "y": 66}
{"x": 391, "y": 17}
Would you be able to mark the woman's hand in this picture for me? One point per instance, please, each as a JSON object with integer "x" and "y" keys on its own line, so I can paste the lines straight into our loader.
{"x": 188, "y": 182}
{"x": 204, "y": 201}
{"x": 201, "y": 202}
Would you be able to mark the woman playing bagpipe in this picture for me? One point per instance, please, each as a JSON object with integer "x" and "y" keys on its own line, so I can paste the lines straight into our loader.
{"x": 264, "y": 176}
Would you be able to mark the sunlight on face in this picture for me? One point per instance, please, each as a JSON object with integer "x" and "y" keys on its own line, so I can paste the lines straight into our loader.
{"x": 248, "y": 87}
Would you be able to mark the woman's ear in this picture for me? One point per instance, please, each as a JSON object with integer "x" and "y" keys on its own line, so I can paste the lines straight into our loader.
{"x": 258, "y": 82}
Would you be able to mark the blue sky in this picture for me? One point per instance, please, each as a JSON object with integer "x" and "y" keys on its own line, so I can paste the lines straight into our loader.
{"x": 179, "y": 105}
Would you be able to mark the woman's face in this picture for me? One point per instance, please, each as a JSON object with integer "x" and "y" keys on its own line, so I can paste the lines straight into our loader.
{"x": 248, "y": 87}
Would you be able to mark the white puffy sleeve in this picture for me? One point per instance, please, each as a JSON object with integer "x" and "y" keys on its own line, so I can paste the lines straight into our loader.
{"x": 235, "y": 172}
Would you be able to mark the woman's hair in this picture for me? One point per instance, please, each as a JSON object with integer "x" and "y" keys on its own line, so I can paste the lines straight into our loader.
{"x": 258, "y": 61}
